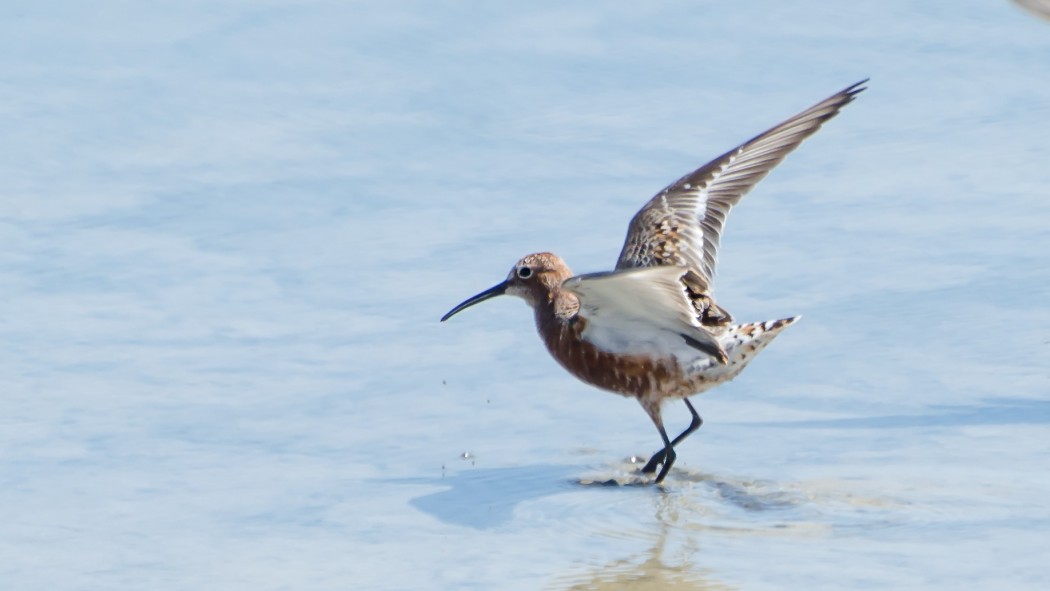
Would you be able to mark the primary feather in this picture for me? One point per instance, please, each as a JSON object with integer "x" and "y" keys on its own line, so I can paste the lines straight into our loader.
{"x": 682, "y": 224}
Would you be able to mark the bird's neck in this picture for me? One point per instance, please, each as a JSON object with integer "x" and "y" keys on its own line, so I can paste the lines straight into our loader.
{"x": 560, "y": 326}
{"x": 556, "y": 309}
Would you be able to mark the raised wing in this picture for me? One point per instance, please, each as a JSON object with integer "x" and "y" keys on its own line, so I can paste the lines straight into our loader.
{"x": 682, "y": 225}
{"x": 641, "y": 311}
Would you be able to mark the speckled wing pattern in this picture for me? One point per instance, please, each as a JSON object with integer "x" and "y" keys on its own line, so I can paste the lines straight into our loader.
{"x": 682, "y": 225}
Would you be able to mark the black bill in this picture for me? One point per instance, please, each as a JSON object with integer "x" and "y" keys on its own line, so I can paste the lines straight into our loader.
{"x": 496, "y": 290}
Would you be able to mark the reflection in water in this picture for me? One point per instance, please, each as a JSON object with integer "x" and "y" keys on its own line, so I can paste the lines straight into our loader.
{"x": 694, "y": 509}
{"x": 655, "y": 568}
{"x": 699, "y": 507}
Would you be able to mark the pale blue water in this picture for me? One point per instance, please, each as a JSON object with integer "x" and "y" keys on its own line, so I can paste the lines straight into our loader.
{"x": 229, "y": 230}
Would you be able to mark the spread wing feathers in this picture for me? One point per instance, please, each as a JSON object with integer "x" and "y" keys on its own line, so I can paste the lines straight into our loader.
{"x": 641, "y": 311}
{"x": 682, "y": 224}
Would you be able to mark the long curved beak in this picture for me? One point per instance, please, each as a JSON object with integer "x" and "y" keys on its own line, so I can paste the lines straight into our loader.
{"x": 495, "y": 290}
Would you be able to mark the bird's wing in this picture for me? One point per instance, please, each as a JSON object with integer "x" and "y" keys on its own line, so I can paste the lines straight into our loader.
{"x": 682, "y": 225}
{"x": 640, "y": 311}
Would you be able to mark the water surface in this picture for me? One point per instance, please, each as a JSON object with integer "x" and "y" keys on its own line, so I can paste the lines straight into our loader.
{"x": 230, "y": 228}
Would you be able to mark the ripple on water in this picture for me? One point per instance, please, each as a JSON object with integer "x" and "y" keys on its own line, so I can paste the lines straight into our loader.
{"x": 731, "y": 504}
{"x": 617, "y": 498}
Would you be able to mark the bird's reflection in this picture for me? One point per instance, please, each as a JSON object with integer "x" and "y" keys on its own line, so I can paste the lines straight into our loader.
{"x": 655, "y": 567}
{"x": 698, "y": 507}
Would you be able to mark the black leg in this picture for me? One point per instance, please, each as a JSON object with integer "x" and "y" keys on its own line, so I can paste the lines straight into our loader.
{"x": 658, "y": 457}
{"x": 668, "y": 455}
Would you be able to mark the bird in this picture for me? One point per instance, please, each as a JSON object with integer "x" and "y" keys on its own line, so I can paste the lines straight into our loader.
{"x": 651, "y": 329}
{"x": 1039, "y": 8}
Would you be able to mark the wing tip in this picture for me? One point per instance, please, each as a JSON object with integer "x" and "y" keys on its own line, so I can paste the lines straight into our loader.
{"x": 850, "y": 92}
{"x": 857, "y": 86}
{"x": 823, "y": 111}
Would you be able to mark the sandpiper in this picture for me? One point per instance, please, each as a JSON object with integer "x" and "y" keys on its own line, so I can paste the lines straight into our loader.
{"x": 651, "y": 329}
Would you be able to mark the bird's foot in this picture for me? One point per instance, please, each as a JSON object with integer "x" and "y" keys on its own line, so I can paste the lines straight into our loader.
{"x": 655, "y": 460}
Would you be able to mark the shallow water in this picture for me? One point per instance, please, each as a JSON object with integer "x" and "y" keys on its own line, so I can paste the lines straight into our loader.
{"x": 229, "y": 230}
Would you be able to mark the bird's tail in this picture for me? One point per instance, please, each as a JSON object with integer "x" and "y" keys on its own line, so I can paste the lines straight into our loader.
{"x": 742, "y": 342}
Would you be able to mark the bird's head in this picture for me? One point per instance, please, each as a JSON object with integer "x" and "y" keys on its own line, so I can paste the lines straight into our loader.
{"x": 534, "y": 278}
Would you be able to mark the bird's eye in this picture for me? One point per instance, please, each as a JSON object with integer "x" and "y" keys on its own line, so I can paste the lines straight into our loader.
{"x": 525, "y": 272}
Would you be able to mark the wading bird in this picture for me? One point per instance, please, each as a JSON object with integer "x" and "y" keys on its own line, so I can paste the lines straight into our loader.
{"x": 651, "y": 329}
